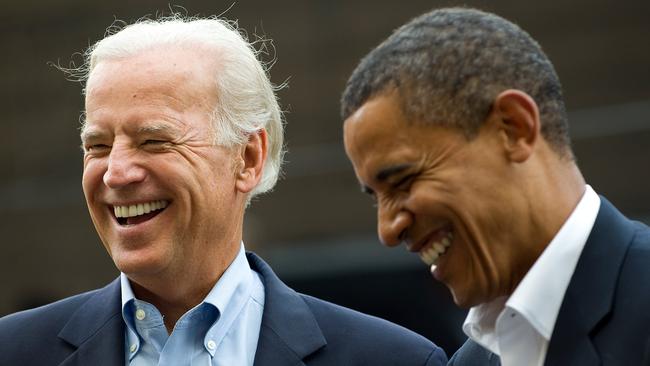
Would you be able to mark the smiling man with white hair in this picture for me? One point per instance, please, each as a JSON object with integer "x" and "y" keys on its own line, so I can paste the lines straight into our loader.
{"x": 182, "y": 128}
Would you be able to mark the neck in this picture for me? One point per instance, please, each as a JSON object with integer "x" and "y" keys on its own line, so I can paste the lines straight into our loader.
{"x": 552, "y": 196}
{"x": 174, "y": 295}
{"x": 555, "y": 199}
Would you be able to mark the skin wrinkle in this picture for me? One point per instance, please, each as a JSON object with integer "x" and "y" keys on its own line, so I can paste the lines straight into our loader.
{"x": 480, "y": 87}
{"x": 149, "y": 98}
{"x": 149, "y": 94}
{"x": 473, "y": 233}
{"x": 487, "y": 188}
{"x": 198, "y": 234}
{"x": 192, "y": 134}
{"x": 155, "y": 130}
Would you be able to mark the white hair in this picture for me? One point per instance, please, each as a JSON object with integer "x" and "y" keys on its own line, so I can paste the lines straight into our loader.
{"x": 246, "y": 103}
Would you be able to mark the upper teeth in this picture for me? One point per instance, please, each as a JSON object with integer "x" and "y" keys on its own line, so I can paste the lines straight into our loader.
{"x": 139, "y": 209}
{"x": 430, "y": 253}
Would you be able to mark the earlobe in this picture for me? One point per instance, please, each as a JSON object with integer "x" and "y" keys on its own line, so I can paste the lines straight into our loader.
{"x": 518, "y": 118}
{"x": 252, "y": 158}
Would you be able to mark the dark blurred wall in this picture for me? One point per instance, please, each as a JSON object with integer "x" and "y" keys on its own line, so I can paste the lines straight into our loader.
{"x": 315, "y": 228}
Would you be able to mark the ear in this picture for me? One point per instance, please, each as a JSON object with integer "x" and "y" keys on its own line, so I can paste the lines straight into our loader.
{"x": 518, "y": 121}
{"x": 252, "y": 155}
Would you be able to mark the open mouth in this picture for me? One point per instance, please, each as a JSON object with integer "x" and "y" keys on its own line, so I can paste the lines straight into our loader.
{"x": 434, "y": 249}
{"x": 138, "y": 213}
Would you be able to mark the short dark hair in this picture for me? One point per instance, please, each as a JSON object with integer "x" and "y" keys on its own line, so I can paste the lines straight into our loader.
{"x": 448, "y": 65}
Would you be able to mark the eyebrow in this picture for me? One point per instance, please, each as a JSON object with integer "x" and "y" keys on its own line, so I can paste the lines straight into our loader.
{"x": 159, "y": 128}
{"x": 156, "y": 129}
{"x": 91, "y": 134}
{"x": 384, "y": 174}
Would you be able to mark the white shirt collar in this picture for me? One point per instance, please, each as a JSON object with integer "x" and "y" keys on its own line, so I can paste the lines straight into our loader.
{"x": 539, "y": 295}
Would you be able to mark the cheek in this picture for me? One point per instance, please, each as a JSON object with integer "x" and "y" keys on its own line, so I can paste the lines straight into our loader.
{"x": 429, "y": 198}
{"x": 91, "y": 179}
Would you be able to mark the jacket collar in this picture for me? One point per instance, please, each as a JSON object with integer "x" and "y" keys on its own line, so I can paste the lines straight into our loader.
{"x": 590, "y": 294}
{"x": 288, "y": 334}
{"x": 289, "y": 331}
{"x": 97, "y": 330}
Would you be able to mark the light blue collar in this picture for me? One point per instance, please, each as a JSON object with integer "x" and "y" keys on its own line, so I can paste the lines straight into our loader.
{"x": 229, "y": 295}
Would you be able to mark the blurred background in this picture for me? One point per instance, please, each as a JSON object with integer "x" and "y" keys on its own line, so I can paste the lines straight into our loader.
{"x": 316, "y": 229}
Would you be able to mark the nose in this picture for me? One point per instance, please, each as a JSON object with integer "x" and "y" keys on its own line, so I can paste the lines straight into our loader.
{"x": 123, "y": 168}
{"x": 392, "y": 225}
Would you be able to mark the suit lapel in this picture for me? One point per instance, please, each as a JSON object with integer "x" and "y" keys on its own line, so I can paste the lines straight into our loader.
{"x": 590, "y": 294}
{"x": 288, "y": 334}
{"x": 97, "y": 330}
{"x": 289, "y": 331}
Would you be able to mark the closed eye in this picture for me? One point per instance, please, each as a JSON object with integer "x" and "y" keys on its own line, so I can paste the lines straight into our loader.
{"x": 154, "y": 142}
{"x": 404, "y": 182}
{"x": 96, "y": 147}
{"x": 155, "y": 146}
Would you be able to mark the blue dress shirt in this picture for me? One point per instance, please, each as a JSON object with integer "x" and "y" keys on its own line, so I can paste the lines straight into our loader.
{"x": 222, "y": 330}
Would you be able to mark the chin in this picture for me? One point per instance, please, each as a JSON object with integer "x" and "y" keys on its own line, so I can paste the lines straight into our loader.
{"x": 464, "y": 300}
{"x": 138, "y": 265}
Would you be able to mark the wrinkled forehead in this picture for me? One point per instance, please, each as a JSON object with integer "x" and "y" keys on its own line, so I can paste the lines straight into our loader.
{"x": 159, "y": 89}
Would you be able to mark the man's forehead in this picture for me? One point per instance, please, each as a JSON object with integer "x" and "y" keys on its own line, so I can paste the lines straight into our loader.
{"x": 166, "y": 66}
{"x": 134, "y": 90}
{"x": 376, "y": 160}
{"x": 376, "y": 127}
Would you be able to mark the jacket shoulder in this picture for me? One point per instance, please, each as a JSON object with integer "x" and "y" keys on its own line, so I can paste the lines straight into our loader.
{"x": 45, "y": 316}
{"x": 631, "y": 301}
{"x": 624, "y": 335}
{"x": 31, "y": 332}
{"x": 471, "y": 353}
{"x": 360, "y": 338}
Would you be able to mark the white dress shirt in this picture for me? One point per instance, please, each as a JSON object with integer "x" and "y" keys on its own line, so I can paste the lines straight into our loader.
{"x": 519, "y": 328}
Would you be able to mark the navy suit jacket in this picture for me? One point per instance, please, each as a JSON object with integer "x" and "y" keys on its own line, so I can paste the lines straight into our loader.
{"x": 604, "y": 318}
{"x": 296, "y": 329}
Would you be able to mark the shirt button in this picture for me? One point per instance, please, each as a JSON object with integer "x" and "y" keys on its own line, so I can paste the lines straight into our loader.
{"x": 140, "y": 314}
{"x": 212, "y": 345}
{"x": 132, "y": 348}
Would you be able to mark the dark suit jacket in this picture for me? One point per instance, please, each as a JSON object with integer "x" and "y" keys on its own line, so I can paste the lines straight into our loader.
{"x": 296, "y": 329}
{"x": 604, "y": 318}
